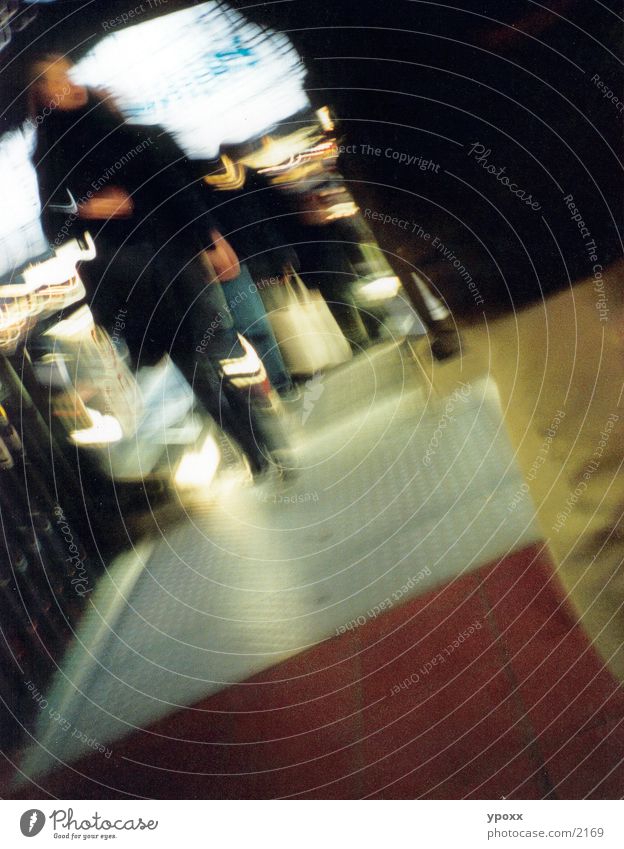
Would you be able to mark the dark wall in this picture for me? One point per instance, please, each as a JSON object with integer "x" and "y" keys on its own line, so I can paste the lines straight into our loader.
{"x": 429, "y": 80}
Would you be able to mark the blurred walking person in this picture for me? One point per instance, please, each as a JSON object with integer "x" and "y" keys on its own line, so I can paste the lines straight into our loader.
{"x": 133, "y": 188}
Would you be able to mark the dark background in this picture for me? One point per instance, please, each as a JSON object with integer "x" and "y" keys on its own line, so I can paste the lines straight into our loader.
{"x": 429, "y": 79}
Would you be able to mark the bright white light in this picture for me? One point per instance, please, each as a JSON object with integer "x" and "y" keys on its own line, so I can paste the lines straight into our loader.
{"x": 381, "y": 289}
{"x": 21, "y": 236}
{"x": 105, "y": 430}
{"x": 42, "y": 288}
{"x": 78, "y": 326}
{"x": 205, "y": 73}
{"x": 325, "y": 119}
{"x": 53, "y": 272}
{"x": 341, "y": 210}
{"x": 198, "y": 469}
{"x": 249, "y": 365}
{"x": 281, "y": 153}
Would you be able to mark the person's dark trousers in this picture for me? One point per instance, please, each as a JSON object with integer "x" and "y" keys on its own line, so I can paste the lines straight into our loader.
{"x": 166, "y": 305}
{"x": 251, "y": 320}
{"x": 206, "y": 336}
{"x": 443, "y": 332}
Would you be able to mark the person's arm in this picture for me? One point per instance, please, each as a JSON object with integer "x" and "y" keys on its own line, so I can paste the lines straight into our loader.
{"x": 110, "y": 202}
{"x": 174, "y": 182}
{"x": 190, "y": 203}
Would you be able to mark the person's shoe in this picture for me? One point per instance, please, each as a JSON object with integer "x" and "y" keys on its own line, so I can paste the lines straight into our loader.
{"x": 444, "y": 347}
{"x": 274, "y": 470}
{"x": 444, "y": 339}
{"x": 291, "y": 395}
{"x": 285, "y": 464}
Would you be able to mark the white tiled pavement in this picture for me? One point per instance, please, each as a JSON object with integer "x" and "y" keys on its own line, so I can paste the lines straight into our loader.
{"x": 395, "y": 480}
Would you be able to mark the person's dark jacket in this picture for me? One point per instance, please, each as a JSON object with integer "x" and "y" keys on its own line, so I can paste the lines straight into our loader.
{"x": 257, "y": 224}
{"x": 83, "y": 152}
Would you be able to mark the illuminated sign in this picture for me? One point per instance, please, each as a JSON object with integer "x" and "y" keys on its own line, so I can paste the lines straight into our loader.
{"x": 205, "y": 73}
{"x": 21, "y": 236}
